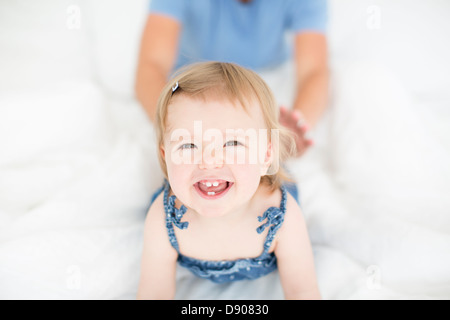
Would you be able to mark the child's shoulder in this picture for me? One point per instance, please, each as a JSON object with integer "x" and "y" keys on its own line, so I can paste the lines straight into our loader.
{"x": 268, "y": 197}
{"x": 292, "y": 207}
{"x": 156, "y": 239}
{"x": 156, "y": 212}
{"x": 293, "y": 217}
{"x": 273, "y": 198}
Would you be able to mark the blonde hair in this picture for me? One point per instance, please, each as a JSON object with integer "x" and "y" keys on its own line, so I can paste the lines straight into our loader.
{"x": 227, "y": 81}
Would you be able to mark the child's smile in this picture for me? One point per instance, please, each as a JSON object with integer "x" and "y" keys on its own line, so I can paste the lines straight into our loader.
{"x": 211, "y": 189}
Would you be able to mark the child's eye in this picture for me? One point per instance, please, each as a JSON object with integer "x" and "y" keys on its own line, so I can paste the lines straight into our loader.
{"x": 233, "y": 143}
{"x": 187, "y": 146}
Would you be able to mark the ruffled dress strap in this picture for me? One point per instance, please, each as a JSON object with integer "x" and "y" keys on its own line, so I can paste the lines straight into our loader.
{"x": 173, "y": 216}
{"x": 274, "y": 219}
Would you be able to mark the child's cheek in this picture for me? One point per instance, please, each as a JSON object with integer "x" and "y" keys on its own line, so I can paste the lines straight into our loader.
{"x": 180, "y": 179}
{"x": 178, "y": 171}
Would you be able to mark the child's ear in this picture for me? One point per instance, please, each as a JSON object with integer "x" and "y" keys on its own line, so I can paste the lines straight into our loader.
{"x": 268, "y": 160}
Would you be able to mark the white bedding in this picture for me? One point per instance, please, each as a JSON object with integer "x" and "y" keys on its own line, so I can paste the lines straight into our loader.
{"x": 78, "y": 166}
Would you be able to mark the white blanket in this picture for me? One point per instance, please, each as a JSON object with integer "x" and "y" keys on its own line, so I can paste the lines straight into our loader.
{"x": 78, "y": 167}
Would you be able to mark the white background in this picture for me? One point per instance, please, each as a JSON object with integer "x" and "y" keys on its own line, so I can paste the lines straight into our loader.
{"x": 78, "y": 166}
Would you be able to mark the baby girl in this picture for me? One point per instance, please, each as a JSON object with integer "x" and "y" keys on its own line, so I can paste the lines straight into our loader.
{"x": 224, "y": 211}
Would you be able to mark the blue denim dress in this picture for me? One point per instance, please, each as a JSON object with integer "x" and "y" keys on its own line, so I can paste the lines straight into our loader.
{"x": 226, "y": 271}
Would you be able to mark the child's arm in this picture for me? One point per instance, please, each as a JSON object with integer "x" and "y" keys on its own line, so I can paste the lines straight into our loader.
{"x": 158, "y": 264}
{"x": 295, "y": 257}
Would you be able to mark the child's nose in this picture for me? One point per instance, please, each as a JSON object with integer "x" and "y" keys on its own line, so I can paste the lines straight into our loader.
{"x": 212, "y": 158}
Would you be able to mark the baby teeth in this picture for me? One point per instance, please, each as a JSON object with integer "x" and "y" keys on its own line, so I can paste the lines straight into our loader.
{"x": 211, "y": 193}
{"x": 209, "y": 184}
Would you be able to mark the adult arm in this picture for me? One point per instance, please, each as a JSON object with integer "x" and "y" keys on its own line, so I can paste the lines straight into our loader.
{"x": 159, "y": 46}
{"x": 312, "y": 76}
{"x": 311, "y": 61}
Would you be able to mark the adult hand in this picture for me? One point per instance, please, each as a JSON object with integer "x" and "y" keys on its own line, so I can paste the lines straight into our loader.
{"x": 294, "y": 121}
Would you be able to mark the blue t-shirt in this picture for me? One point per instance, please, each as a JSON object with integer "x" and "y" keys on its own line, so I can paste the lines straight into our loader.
{"x": 250, "y": 34}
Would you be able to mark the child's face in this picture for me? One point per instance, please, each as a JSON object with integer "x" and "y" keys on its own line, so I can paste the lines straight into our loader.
{"x": 215, "y": 154}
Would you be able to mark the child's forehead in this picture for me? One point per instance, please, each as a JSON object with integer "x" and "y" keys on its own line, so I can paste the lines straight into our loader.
{"x": 221, "y": 112}
{"x": 184, "y": 105}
